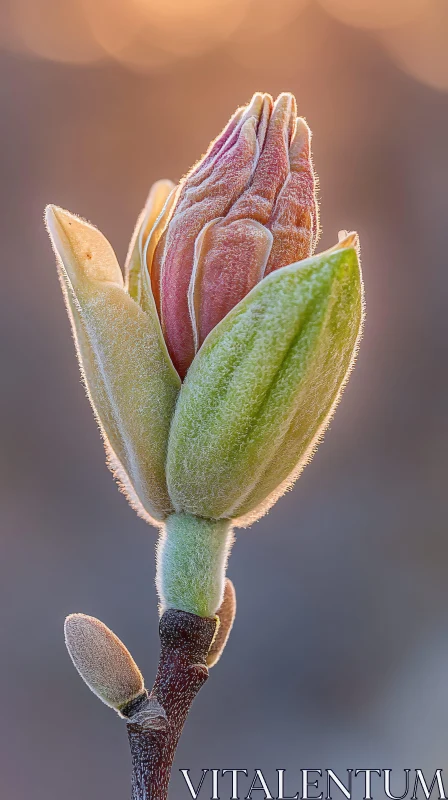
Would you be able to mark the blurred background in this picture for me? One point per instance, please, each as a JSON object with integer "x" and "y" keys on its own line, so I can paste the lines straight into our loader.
{"x": 339, "y": 654}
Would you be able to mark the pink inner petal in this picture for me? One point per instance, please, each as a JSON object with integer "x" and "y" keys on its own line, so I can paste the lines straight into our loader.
{"x": 247, "y": 208}
{"x": 295, "y": 220}
{"x": 272, "y": 168}
{"x": 199, "y": 204}
{"x": 230, "y": 261}
{"x": 224, "y": 142}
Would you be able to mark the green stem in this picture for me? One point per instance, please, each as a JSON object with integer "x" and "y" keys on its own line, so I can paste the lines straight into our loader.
{"x": 192, "y": 556}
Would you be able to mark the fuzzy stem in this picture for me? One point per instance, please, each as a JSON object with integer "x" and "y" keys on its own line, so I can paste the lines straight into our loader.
{"x": 185, "y": 642}
{"x": 192, "y": 556}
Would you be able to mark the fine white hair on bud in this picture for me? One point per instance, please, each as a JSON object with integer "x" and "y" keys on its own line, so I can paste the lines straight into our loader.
{"x": 128, "y": 375}
{"x": 102, "y": 660}
{"x": 226, "y": 615}
{"x": 264, "y": 386}
{"x": 192, "y": 555}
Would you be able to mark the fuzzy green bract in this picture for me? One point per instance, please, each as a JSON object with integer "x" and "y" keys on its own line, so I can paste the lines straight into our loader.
{"x": 263, "y": 387}
{"x": 129, "y": 376}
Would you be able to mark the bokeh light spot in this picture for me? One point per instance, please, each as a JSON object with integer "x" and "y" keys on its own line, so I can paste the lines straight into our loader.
{"x": 421, "y": 48}
{"x": 375, "y": 13}
{"x": 54, "y": 30}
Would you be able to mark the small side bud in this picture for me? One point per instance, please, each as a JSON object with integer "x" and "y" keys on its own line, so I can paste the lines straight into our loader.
{"x": 103, "y": 661}
{"x": 226, "y": 614}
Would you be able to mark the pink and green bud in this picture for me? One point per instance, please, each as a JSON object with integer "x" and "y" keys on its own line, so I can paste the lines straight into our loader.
{"x": 246, "y": 209}
{"x": 263, "y": 388}
{"x": 215, "y": 365}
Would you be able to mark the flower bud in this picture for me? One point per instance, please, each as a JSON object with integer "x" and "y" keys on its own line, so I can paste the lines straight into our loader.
{"x": 222, "y": 292}
{"x": 263, "y": 388}
{"x": 245, "y": 210}
{"x": 103, "y": 661}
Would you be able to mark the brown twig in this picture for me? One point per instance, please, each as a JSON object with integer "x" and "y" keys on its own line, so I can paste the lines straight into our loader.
{"x": 185, "y": 642}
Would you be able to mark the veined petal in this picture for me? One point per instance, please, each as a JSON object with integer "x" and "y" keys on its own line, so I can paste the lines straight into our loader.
{"x": 264, "y": 386}
{"x": 158, "y": 195}
{"x": 208, "y": 192}
{"x": 259, "y": 110}
{"x": 230, "y": 260}
{"x": 130, "y": 380}
{"x": 294, "y": 221}
{"x": 272, "y": 168}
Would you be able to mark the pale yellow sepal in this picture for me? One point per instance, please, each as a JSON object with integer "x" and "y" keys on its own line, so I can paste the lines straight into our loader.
{"x": 130, "y": 380}
{"x": 155, "y": 204}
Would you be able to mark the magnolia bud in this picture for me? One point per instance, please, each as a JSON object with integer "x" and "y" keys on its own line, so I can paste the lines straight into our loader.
{"x": 103, "y": 661}
{"x": 214, "y": 368}
{"x": 246, "y": 209}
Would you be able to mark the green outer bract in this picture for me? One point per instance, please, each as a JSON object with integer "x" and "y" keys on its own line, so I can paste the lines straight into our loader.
{"x": 130, "y": 380}
{"x": 263, "y": 387}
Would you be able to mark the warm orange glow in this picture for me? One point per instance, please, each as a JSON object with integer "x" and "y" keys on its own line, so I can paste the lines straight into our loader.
{"x": 113, "y": 24}
{"x": 264, "y": 17}
{"x": 54, "y": 30}
{"x": 148, "y": 35}
{"x": 195, "y": 26}
{"x": 278, "y": 47}
{"x": 193, "y": 10}
{"x": 421, "y": 48}
{"x": 375, "y": 13}
{"x": 123, "y": 32}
